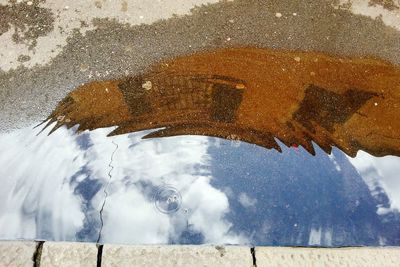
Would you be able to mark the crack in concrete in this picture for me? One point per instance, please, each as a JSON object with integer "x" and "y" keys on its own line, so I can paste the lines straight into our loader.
{"x": 105, "y": 190}
{"x": 253, "y": 255}
{"x": 38, "y": 254}
{"x": 99, "y": 255}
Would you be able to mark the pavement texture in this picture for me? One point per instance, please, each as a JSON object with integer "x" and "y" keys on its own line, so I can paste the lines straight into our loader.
{"x": 114, "y": 255}
{"x": 16, "y": 253}
{"x": 88, "y": 254}
{"x": 267, "y": 256}
{"x": 48, "y": 48}
{"x": 68, "y": 254}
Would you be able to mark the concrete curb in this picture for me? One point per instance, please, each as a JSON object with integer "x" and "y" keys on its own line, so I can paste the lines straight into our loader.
{"x": 350, "y": 256}
{"x": 31, "y": 253}
{"x": 14, "y": 253}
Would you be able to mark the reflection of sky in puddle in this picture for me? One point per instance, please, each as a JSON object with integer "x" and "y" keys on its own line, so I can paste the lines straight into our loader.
{"x": 53, "y": 187}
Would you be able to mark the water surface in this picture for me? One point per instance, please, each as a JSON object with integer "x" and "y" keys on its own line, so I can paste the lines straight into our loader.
{"x": 229, "y": 146}
{"x": 226, "y": 191}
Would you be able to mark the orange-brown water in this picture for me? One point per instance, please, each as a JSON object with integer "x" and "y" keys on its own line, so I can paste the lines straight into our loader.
{"x": 253, "y": 95}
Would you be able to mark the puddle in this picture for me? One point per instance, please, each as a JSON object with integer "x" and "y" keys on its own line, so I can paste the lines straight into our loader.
{"x": 192, "y": 190}
{"x": 232, "y": 146}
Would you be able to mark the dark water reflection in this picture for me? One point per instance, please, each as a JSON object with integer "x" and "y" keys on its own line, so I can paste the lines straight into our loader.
{"x": 217, "y": 191}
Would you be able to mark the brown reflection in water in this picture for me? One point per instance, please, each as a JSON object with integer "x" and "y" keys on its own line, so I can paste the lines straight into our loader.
{"x": 252, "y": 95}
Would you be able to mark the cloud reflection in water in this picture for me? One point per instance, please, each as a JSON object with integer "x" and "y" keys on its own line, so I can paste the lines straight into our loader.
{"x": 232, "y": 192}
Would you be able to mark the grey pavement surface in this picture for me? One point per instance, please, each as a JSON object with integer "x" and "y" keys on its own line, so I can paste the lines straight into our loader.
{"x": 48, "y": 48}
{"x": 87, "y": 254}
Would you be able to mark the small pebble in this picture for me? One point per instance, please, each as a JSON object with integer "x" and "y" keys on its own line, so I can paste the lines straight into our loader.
{"x": 278, "y": 15}
{"x": 297, "y": 59}
{"x": 84, "y": 67}
{"x": 147, "y": 85}
{"x": 29, "y": 3}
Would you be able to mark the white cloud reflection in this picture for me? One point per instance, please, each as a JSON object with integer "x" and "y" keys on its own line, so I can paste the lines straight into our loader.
{"x": 247, "y": 201}
{"x": 35, "y": 196}
{"x": 39, "y": 199}
{"x": 182, "y": 162}
{"x": 383, "y": 171}
{"x": 52, "y": 187}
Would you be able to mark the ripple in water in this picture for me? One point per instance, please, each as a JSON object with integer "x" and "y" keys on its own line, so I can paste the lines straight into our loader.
{"x": 167, "y": 199}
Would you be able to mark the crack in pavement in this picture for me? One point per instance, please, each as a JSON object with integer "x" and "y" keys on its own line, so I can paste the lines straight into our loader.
{"x": 99, "y": 255}
{"x": 253, "y": 256}
{"x": 105, "y": 191}
{"x": 36, "y": 258}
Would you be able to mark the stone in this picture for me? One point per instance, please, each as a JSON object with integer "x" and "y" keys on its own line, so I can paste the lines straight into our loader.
{"x": 15, "y": 253}
{"x": 68, "y": 254}
{"x": 280, "y": 256}
{"x": 168, "y": 256}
